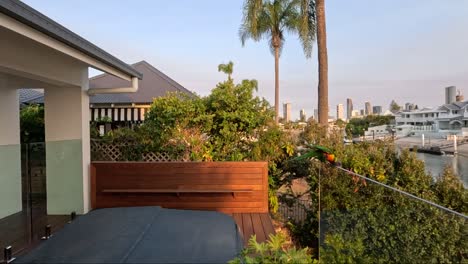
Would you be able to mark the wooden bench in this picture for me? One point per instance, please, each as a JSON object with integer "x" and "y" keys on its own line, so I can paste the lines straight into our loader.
{"x": 239, "y": 189}
{"x": 229, "y": 187}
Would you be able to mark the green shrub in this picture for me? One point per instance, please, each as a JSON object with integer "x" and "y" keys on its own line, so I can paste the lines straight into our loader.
{"x": 363, "y": 222}
{"x": 32, "y": 123}
{"x": 273, "y": 251}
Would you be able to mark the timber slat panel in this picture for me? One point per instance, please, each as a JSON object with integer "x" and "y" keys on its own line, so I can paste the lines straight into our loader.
{"x": 233, "y": 187}
{"x": 178, "y": 191}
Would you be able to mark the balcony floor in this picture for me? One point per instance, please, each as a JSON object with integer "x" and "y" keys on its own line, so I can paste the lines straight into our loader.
{"x": 258, "y": 224}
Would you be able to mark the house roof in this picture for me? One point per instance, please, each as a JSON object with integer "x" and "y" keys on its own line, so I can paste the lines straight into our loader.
{"x": 154, "y": 84}
{"x": 34, "y": 19}
{"x": 455, "y": 105}
{"x": 30, "y": 95}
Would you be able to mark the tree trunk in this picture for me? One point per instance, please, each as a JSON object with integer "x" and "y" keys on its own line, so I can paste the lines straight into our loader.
{"x": 277, "y": 85}
{"x": 322, "y": 63}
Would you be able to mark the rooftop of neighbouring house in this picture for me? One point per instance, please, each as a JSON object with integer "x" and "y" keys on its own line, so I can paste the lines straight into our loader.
{"x": 454, "y": 105}
{"x": 154, "y": 84}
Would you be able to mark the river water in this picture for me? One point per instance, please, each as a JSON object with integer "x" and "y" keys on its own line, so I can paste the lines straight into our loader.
{"x": 435, "y": 165}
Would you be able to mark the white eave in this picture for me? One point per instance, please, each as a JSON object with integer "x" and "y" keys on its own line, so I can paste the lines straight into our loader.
{"x": 24, "y": 20}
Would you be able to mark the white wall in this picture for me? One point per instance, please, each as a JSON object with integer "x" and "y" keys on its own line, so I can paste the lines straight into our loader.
{"x": 10, "y": 149}
{"x": 67, "y": 147}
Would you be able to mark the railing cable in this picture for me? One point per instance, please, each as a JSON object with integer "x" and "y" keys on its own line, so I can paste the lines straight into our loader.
{"x": 402, "y": 192}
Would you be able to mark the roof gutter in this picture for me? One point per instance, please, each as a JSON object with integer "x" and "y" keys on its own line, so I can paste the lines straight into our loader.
{"x": 132, "y": 89}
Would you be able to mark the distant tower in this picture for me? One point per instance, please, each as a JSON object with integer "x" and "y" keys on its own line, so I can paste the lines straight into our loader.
{"x": 287, "y": 112}
{"x": 316, "y": 114}
{"x": 302, "y": 115}
{"x": 377, "y": 110}
{"x": 450, "y": 94}
{"x": 362, "y": 112}
{"x": 459, "y": 97}
{"x": 340, "y": 112}
{"x": 368, "y": 108}
{"x": 349, "y": 108}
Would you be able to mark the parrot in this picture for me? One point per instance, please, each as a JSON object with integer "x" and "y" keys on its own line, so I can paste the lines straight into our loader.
{"x": 319, "y": 152}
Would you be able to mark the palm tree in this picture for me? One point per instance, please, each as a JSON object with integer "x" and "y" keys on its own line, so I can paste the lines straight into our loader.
{"x": 270, "y": 19}
{"x": 226, "y": 68}
{"x": 322, "y": 61}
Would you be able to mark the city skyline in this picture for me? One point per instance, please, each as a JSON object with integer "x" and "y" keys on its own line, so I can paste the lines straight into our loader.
{"x": 371, "y": 54}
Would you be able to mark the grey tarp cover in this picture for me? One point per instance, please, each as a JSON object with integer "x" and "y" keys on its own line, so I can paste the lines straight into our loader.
{"x": 142, "y": 235}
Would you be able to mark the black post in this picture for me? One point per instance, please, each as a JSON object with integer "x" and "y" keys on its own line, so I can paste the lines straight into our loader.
{"x": 8, "y": 255}
{"x": 72, "y": 216}
{"x": 373, "y": 134}
{"x": 47, "y": 232}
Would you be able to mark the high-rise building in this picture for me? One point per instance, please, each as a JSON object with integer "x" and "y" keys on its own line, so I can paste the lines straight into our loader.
{"x": 450, "y": 94}
{"x": 368, "y": 108}
{"x": 349, "y": 108}
{"x": 362, "y": 113}
{"x": 302, "y": 115}
{"x": 316, "y": 114}
{"x": 287, "y": 112}
{"x": 355, "y": 113}
{"x": 339, "y": 112}
{"x": 459, "y": 97}
{"x": 377, "y": 110}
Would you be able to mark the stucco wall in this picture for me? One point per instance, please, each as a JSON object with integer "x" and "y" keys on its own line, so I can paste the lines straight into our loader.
{"x": 67, "y": 148}
{"x": 10, "y": 155}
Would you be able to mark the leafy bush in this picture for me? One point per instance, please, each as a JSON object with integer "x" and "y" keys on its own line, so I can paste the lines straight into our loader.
{"x": 32, "y": 124}
{"x": 273, "y": 251}
{"x": 361, "y": 221}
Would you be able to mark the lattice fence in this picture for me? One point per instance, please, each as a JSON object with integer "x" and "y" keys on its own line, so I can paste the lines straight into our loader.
{"x": 105, "y": 151}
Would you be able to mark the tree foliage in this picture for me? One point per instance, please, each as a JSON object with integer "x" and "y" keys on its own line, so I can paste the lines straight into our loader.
{"x": 229, "y": 124}
{"x": 32, "y": 123}
{"x": 361, "y": 221}
{"x": 227, "y": 69}
{"x": 273, "y": 251}
{"x": 357, "y": 126}
{"x": 271, "y": 20}
{"x": 394, "y": 107}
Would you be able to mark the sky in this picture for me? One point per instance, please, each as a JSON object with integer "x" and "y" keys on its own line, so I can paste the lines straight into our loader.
{"x": 378, "y": 50}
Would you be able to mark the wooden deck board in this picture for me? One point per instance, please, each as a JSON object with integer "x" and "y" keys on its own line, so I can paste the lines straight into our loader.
{"x": 238, "y": 218}
{"x": 258, "y": 228}
{"x": 258, "y": 224}
{"x": 248, "y": 227}
{"x": 267, "y": 225}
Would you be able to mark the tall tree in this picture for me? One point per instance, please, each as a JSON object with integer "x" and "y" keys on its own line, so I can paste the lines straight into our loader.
{"x": 270, "y": 20}
{"x": 322, "y": 61}
{"x": 227, "y": 69}
{"x": 394, "y": 107}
